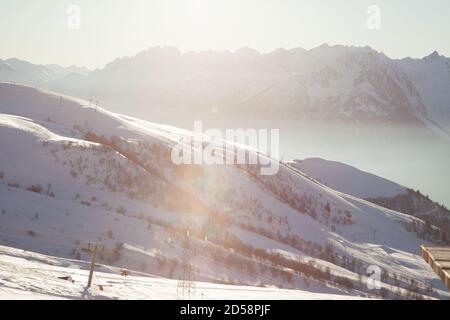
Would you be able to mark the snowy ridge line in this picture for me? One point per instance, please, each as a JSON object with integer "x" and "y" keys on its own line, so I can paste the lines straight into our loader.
{"x": 345, "y": 196}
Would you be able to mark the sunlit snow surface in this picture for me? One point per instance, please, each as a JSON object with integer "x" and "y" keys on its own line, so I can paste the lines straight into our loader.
{"x": 26, "y": 275}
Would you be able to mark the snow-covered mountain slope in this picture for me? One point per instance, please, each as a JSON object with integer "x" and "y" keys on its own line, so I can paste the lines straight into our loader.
{"x": 378, "y": 190}
{"x": 71, "y": 173}
{"x": 28, "y": 275}
{"x": 348, "y": 179}
{"x": 431, "y": 78}
{"x": 327, "y": 82}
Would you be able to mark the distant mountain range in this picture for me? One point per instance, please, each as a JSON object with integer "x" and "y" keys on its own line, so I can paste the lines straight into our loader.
{"x": 23, "y": 72}
{"x": 327, "y": 82}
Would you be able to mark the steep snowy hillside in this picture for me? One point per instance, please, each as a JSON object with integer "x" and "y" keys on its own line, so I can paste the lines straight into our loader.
{"x": 431, "y": 78}
{"x": 348, "y": 179}
{"x": 327, "y": 82}
{"x": 71, "y": 173}
{"x": 378, "y": 190}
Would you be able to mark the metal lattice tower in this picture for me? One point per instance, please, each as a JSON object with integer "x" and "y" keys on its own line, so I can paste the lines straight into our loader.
{"x": 186, "y": 285}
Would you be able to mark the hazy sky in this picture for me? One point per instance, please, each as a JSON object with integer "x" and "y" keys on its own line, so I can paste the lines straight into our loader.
{"x": 37, "y": 30}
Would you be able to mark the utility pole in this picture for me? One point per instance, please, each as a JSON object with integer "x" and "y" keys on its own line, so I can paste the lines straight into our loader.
{"x": 94, "y": 252}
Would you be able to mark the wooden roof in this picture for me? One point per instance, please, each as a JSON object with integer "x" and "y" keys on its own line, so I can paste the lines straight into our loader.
{"x": 439, "y": 259}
